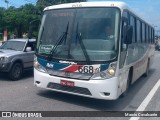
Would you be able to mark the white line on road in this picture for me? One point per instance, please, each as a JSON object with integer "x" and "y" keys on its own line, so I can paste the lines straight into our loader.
{"x": 147, "y": 100}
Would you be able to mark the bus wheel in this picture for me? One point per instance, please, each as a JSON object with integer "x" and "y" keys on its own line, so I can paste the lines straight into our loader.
{"x": 128, "y": 85}
{"x": 147, "y": 70}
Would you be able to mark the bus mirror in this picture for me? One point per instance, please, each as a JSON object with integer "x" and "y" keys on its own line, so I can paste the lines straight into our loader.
{"x": 128, "y": 38}
{"x": 30, "y": 32}
{"x": 31, "y": 24}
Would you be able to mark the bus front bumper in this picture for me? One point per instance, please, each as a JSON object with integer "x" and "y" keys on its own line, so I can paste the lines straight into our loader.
{"x": 99, "y": 89}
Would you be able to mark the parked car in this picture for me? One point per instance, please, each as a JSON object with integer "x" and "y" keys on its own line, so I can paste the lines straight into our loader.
{"x": 16, "y": 55}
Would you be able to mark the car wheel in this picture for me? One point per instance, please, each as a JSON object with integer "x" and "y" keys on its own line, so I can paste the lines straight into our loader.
{"x": 16, "y": 71}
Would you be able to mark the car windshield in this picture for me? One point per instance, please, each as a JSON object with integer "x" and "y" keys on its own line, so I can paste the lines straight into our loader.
{"x": 13, "y": 45}
{"x": 84, "y": 34}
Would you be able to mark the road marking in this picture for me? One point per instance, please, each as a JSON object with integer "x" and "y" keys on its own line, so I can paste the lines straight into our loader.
{"x": 147, "y": 100}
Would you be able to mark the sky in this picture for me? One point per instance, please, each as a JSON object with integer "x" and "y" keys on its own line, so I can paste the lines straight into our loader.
{"x": 149, "y": 10}
{"x": 16, "y": 3}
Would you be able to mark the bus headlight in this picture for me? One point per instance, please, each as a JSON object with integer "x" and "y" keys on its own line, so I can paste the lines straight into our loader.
{"x": 110, "y": 72}
{"x": 38, "y": 67}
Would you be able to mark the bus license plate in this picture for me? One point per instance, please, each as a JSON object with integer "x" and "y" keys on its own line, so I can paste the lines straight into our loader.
{"x": 67, "y": 83}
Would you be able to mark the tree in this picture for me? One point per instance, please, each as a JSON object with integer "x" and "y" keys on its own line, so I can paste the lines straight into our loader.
{"x": 2, "y": 19}
{"x": 17, "y": 19}
{"x": 31, "y": 13}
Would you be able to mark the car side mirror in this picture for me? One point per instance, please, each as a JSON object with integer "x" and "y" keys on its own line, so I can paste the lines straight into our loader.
{"x": 129, "y": 35}
{"x": 28, "y": 49}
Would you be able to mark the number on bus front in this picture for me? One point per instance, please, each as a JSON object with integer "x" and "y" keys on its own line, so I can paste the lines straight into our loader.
{"x": 88, "y": 69}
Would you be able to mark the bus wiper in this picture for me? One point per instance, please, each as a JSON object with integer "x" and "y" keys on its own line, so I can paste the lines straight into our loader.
{"x": 59, "y": 41}
{"x": 79, "y": 36}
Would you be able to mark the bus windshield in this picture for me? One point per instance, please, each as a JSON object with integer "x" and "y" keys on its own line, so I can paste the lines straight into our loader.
{"x": 81, "y": 34}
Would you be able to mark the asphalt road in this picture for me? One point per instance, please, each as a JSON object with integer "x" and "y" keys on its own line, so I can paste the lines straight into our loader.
{"x": 22, "y": 95}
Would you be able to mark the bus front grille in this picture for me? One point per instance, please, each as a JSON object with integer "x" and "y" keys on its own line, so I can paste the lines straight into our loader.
{"x": 79, "y": 90}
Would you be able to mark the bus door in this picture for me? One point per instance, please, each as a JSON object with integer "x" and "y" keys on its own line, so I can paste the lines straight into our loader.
{"x": 123, "y": 71}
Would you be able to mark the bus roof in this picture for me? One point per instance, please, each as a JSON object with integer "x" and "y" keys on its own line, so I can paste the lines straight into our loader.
{"x": 120, "y": 5}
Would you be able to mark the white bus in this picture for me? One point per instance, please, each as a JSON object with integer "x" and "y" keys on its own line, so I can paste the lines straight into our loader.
{"x": 72, "y": 56}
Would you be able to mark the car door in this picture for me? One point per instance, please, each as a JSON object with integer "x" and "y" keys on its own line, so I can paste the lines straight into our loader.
{"x": 29, "y": 55}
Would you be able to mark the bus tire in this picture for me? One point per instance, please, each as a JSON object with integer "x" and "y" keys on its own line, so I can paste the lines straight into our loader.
{"x": 147, "y": 70}
{"x": 128, "y": 84}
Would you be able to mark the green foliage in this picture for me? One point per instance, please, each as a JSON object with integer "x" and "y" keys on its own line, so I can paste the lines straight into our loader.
{"x": 16, "y": 20}
{"x": 1, "y": 19}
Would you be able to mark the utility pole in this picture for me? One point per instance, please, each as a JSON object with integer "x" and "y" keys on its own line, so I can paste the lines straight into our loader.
{"x": 6, "y": 1}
